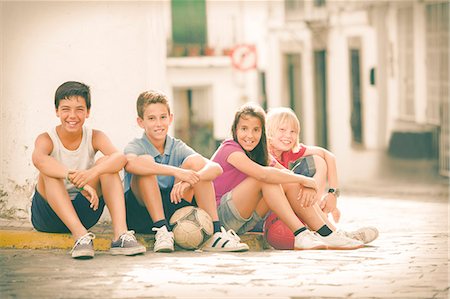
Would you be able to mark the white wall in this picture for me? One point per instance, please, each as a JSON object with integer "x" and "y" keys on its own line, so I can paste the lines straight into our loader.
{"x": 107, "y": 45}
{"x": 230, "y": 23}
{"x": 230, "y": 88}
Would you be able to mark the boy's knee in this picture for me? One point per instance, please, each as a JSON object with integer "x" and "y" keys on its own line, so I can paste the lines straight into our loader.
{"x": 196, "y": 163}
{"x": 319, "y": 162}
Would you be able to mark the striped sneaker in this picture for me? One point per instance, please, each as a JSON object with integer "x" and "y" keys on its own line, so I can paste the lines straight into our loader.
{"x": 225, "y": 241}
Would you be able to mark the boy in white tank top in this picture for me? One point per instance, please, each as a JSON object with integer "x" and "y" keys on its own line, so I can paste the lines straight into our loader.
{"x": 73, "y": 188}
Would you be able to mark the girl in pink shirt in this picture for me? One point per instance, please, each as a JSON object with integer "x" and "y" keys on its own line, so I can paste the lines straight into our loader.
{"x": 249, "y": 185}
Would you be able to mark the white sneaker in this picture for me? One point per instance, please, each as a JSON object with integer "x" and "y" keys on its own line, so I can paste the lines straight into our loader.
{"x": 338, "y": 241}
{"x": 307, "y": 240}
{"x": 364, "y": 234}
{"x": 225, "y": 241}
{"x": 163, "y": 240}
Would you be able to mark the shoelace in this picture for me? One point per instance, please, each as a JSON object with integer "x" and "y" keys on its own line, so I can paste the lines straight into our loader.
{"x": 83, "y": 240}
{"x": 229, "y": 235}
{"x": 360, "y": 236}
{"x": 233, "y": 235}
{"x": 127, "y": 237}
{"x": 163, "y": 236}
{"x": 352, "y": 235}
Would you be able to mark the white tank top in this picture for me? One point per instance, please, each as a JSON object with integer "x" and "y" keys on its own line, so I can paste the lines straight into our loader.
{"x": 82, "y": 158}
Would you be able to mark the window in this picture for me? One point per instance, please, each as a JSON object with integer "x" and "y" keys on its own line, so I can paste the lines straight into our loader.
{"x": 318, "y": 3}
{"x": 294, "y": 9}
{"x": 188, "y": 27}
{"x": 437, "y": 18}
{"x": 406, "y": 63}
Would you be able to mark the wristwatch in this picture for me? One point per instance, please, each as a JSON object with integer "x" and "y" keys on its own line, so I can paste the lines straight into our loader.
{"x": 335, "y": 191}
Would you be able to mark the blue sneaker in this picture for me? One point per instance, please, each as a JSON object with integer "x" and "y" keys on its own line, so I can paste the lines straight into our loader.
{"x": 127, "y": 245}
{"x": 84, "y": 247}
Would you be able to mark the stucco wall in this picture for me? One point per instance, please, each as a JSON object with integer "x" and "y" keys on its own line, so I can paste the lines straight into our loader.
{"x": 108, "y": 45}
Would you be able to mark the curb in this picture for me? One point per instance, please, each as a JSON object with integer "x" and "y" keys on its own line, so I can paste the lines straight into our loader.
{"x": 20, "y": 239}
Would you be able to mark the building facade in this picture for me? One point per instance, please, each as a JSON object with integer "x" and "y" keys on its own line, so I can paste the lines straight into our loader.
{"x": 363, "y": 76}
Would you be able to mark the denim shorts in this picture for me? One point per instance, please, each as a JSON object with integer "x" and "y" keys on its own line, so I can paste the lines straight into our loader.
{"x": 231, "y": 219}
{"x": 304, "y": 166}
{"x": 138, "y": 218}
{"x": 44, "y": 219}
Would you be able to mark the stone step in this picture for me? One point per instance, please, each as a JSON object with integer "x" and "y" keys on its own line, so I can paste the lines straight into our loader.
{"x": 31, "y": 239}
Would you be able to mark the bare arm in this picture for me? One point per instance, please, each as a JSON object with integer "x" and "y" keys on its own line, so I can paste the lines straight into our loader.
{"x": 209, "y": 171}
{"x": 330, "y": 160}
{"x": 146, "y": 165}
{"x": 46, "y": 164}
{"x": 267, "y": 174}
{"x": 329, "y": 201}
{"x": 112, "y": 162}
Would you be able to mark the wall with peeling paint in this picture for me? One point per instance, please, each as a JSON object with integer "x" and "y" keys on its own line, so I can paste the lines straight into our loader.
{"x": 107, "y": 45}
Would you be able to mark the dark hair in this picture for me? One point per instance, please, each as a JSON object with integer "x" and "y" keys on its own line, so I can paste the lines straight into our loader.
{"x": 259, "y": 154}
{"x": 150, "y": 97}
{"x": 73, "y": 88}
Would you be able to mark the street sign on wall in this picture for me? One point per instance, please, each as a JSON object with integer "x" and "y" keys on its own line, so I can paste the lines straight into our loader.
{"x": 243, "y": 57}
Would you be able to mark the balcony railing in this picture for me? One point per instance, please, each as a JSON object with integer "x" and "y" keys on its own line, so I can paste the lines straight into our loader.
{"x": 195, "y": 50}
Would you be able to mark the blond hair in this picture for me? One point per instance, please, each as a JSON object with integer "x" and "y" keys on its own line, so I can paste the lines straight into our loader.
{"x": 150, "y": 97}
{"x": 276, "y": 117}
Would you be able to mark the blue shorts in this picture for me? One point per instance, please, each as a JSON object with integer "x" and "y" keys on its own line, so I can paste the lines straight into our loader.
{"x": 304, "y": 166}
{"x": 231, "y": 219}
{"x": 44, "y": 219}
{"x": 138, "y": 218}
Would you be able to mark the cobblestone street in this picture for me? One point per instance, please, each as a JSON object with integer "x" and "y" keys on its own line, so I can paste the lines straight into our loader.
{"x": 408, "y": 260}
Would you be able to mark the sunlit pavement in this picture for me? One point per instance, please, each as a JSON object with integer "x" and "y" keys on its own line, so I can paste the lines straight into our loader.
{"x": 408, "y": 260}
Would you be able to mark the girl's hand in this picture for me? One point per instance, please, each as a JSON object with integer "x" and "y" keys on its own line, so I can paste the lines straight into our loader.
{"x": 310, "y": 183}
{"x": 91, "y": 196}
{"x": 307, "y": 197}
{"x": 328, "y": 203}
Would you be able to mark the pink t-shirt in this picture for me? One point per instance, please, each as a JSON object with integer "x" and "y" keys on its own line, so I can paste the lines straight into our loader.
{"x": 290, "y": 156}
{"x": 231, "y": 176}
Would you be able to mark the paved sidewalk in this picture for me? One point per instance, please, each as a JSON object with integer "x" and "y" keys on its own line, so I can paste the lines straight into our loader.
{"x": 409, "y": 260}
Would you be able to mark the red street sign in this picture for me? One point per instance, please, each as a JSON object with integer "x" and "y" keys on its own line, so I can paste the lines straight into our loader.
{"x": 243, "y": 57}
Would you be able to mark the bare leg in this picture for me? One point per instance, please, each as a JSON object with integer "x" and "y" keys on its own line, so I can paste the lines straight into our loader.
{"x": 262, "y": 208}
{"x": 113, "y": 195}
{"x": 321, "y": 175}
{"x": 205, "y": 197}
{"x": 321, "y": 178}
{"x": 203, "y": 190}
{"x": 146, "y": 190}
{"x": 54, "y": 191}
{"x": 248, "y": 194}
{"x": 324, "y": 217}
{"x": 308, "y": 215}
{"x": 110, "y": 186}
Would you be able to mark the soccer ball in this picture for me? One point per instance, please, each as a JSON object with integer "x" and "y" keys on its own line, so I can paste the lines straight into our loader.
{"x": 191, "y": 227}
{"x": 278, "y": 234}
